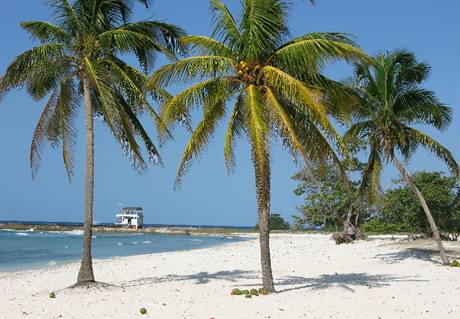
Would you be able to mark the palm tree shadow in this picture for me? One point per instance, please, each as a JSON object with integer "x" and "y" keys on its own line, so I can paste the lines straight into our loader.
{"x": 344, "y": 281}
{"x": 200, "y": 278}
{"x": 289, "y": 283}
{"x": 425, "y": 254}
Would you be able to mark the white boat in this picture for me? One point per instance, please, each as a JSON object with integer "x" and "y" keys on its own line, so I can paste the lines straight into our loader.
{"x": 130, "y": 217}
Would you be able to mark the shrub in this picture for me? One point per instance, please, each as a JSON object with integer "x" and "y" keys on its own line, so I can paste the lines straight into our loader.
{"x": 254, "y": 292}
{"x": 455, "y": 263}
{"x": 52, "y": 295}
{"x": 143, "y": 311}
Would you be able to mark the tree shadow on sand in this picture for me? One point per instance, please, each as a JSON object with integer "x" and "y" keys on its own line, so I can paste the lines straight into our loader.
{"x": 425, "y": 254}
{"x": 199, "y": 278}
{"x": 285, "y": 284}
{"x": 344, "y": 281}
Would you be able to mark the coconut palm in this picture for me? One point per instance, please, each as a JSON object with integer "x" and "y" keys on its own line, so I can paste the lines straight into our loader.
{"x": 392, "y": 103}
{"x": 272, "y": 87}
{"x": 79, "y": 59}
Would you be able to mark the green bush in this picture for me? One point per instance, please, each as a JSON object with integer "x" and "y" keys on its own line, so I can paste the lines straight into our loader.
{"x": 52, "y": 295}
{"x": 247, "y": 296}
{"x": 455, "y": 263}
{"x": 254, "y": 292}
{"x": 143, "y": 311}
{"x": 382, "y": 227}
{"x": 277, "y": 222}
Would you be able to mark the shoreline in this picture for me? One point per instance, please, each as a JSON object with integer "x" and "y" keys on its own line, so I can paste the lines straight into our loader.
{"x": 314, "y": 279}
{"x": 169, "y": 230}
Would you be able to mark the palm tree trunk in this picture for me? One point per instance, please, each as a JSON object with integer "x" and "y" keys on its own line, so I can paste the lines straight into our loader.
{"x": 425, "y": 207}
{"x": 263, "y": 201}
{"x": 86, "y": 268}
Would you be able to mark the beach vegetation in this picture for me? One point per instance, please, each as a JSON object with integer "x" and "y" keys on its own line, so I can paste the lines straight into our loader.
{"x": 79, "y": 58}
{"x": 277, "y": 222}
{"x": 400, "y": 211}
{"x": 52, "y": 295}
{"x": 393, "y": 104}
{"x": 143, "y": 311}
{"x": 455, "y": 263}
{"x": 266, "y": 85}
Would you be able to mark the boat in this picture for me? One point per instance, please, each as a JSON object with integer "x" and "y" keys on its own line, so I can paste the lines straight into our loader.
{"x": 130, "y": 217}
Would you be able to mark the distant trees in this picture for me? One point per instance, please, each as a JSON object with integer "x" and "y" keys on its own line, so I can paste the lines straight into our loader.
{"x": 397, "y": 209}
{"x": 277, "y": 222}
{"x": 331, "y": 198}
{"x": 401, "y": 211}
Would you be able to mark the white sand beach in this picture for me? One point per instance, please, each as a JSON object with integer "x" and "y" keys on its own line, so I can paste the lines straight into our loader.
{"x": 315, "y": 279}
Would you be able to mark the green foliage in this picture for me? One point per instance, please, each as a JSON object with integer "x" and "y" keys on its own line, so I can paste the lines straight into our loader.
{"x": 87, "y": 43}
{"x": 143, "y": 311}
{"x": 328, "y": 195}
{"x": 402, "y": 212}
{"x": 254, "y": 292}
{"x": 392, "y": 102}
{"x": 277, "y": 86}
{"x": 52, "y": 295}
{"x": 455, "y": 263}
{"x": 247, "y": 296}
{"x": 380, "y": 226}
{"x": 277, "y": 222}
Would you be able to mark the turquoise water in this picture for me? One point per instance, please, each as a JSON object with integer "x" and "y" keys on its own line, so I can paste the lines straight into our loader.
{"x": 22, "y": 250}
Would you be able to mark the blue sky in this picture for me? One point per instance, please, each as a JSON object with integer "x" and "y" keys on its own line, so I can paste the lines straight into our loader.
{"x": 209, "y": 195}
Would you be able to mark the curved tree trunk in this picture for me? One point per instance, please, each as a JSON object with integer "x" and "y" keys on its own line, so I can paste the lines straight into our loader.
{"x": 263, "y": 203}
{"x": 347, "y": 223}
{"x": 425, "y": 207}
{"x": 86, "y": 268}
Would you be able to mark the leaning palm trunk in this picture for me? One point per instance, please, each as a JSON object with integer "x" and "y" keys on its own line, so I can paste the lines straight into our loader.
{"x": 263, "y": 204}
{"x": 86, "y": 269}
{"x": 425, "y": 207}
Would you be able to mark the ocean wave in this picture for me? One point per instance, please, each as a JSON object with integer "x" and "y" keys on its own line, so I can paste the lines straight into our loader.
{"x": 146, "y": 242}
{"x": 75, "y": 232}
{"x": 21, "y": 234}
{"x": 120, "y": 244}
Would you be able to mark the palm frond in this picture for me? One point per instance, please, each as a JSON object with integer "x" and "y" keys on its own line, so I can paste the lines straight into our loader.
{"x": 235, "y": 128}
{"x": 200, "y": 137}
{"x": 202, "y": 45}
{"x": 226, "y": 28}
{"x": 190, "y": 69}
{"x": 314, "y": 50}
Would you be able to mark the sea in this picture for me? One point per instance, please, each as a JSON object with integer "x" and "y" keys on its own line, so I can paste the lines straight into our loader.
{"x": 27, "y": 250}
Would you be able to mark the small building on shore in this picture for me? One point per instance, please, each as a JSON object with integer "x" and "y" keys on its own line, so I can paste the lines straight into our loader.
{"x": 131, "y": 217}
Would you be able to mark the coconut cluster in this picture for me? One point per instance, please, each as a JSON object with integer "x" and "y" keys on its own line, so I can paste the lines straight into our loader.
{"x": 248, "y": 72}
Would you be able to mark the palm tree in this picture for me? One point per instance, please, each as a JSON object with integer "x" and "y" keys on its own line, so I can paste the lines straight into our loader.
{"x": 392, "y": 102}
{"x": 276, "y": 89}
{"x": 79, "y": 58}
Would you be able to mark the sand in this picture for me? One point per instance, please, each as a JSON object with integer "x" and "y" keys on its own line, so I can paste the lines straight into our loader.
{"x": 315, "y": 279}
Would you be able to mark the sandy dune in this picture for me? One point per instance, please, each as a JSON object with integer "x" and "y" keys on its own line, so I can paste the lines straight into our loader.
{"x": 315, "y": 279}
